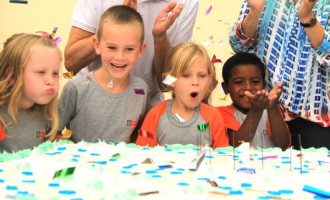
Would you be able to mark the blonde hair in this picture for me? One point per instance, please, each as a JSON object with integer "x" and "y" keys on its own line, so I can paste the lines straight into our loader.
{"x": 13, "y": 60}
{"x": 179, "y": 60}
{"x": 120, "y": 14}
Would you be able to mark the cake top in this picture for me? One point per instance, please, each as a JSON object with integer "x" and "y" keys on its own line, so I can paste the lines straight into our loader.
{"x": 64, "y": 170}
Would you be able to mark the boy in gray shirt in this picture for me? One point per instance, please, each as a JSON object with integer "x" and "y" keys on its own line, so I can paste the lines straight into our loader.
{"x": 108, "y": 103}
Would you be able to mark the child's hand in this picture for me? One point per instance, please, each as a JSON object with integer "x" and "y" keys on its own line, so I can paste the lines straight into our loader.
{"x": 259, "y": 101}
{"x": 274, "y": 95}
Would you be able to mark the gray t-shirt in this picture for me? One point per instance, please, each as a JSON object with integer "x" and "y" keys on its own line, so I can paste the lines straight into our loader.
{"x": 171, "y": 131}
{"x": 261, "y": 136}
{"x": 29, "y": 131}
{"x": 94, "y": 114}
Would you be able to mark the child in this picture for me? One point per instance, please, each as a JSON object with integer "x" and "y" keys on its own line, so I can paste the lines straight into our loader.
{"x": 185, "y": 119}
{"x": 108, "y": 103}
{"x": 244, "y": 79}
{"x": 29, "y": 82}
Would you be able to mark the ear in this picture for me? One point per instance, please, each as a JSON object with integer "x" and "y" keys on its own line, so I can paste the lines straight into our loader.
{"x": 225, "y": 87}
{"x": 142, "y": 48}
{"x": 97, "y": 45}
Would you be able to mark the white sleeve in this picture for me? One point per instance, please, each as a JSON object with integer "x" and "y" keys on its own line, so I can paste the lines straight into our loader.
{"x": 86, "y": 15}
{"x": 184, "y": 24}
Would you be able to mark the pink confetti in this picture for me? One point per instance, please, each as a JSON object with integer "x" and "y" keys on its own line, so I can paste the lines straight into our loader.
{"x": 208, "y": 10}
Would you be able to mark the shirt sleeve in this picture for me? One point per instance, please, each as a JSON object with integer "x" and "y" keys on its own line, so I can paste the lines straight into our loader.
{"x": 147, "y": 135}
{"x": 217, "y": 126}
{"x": 85, "y": 15}
{"x": 323, "y": 51}
{"x": 228, "y": 114}
{"x": 237, "y": 39}
{"x": 67, "y": 105}
{"x": 186, "y": 22}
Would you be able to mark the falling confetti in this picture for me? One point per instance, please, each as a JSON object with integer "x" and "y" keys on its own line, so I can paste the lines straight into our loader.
{"x": 208, "y": 10}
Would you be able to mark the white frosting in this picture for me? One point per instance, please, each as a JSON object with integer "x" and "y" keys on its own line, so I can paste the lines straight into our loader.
{"x": 98, "y": 175}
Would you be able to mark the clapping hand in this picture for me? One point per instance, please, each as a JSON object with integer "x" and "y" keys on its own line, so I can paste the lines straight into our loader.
{"x": 166, "y": 18}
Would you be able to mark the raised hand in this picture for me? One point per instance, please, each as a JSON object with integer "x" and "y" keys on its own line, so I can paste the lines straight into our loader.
{"x": 306, "y": 7}
{"x": 256, "y": 5}
{"x": 130, "y": 3}
{"x": 274, "y": 95}
{"x": 166, "y": 18}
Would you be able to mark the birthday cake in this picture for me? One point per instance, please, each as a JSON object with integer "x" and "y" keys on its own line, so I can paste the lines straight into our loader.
{"x": 64, "y": 170}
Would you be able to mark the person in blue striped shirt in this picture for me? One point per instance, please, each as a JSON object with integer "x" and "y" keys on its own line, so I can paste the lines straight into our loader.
{"x": 293, "y": 38}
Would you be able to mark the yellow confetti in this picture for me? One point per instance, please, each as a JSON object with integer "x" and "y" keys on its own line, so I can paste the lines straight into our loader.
{"x": 68, "y": 75}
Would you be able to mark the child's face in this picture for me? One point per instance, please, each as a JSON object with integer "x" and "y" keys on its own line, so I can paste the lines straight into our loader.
{"x": 191, "y": 87}
{"x": 243, "y": 78}
{"x": 120, "y": 46}
{"x": 41, "y": 76}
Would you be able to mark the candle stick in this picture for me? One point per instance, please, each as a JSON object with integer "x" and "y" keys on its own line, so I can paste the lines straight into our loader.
{"x": 299, "y": 138}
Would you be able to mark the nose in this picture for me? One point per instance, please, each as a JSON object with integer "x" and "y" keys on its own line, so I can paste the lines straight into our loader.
{"x": 119, "y": 54}
{"x": 248, "y": 86}
{"x": 195, "y": 81}
{"x": 50, "y": 79}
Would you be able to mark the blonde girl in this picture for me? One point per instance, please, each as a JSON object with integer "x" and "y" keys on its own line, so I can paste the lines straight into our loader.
{"x": 29, "y": 82}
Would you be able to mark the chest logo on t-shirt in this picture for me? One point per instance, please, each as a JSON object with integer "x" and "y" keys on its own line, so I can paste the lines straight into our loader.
{"x": 40, "y": 134}
{"x": 132, "y": 123}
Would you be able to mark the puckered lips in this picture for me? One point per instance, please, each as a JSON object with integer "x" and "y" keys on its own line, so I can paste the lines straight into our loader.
{"x": 50, "y": 91}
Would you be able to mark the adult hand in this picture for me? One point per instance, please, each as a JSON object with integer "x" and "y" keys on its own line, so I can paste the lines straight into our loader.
{"x": 130, "y": 3}
{"x": 166, "y": 18}
{"x": 274, "y": 95}
{"x": 305, "y": 10}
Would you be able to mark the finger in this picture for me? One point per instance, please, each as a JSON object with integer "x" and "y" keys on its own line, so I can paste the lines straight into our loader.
{"x": 249, "y": 94}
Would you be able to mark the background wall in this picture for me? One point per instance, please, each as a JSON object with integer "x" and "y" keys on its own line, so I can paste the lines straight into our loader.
{"x": 213, "y": 23}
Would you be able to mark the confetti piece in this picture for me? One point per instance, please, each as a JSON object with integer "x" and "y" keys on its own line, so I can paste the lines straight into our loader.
{"x": 216, "y": 61}
{"x": 139, "y": 91}
{"x": 208, "y": 10}
{"x": 207, "y": 43}
{"x": 169, "y": 80}
{"x": 66, "y": 133}
{"x": 221, "y": 43}
{"x": 148, "y": 161}
{"x": 64, "y": 172}
{"x": 2, "y": 133}
{"x": 144, "y": 133}
{"x": 147, "y": 193}
{"x": 18, "y": 1}
{"x": 68, "y": 75}
{"x": 202, "y": 127}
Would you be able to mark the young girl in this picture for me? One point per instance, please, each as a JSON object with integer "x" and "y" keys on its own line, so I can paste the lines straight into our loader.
{"x": 185, "y": 119}
{"x": 254, "y": 115}
{"x": 29, "y": 81}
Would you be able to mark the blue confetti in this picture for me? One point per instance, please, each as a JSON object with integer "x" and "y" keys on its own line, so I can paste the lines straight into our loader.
{"x": 26, "y": 173}
{"x": 67, "y": 192}
{"x": 53, "y": 185}
{"x": 182, "y": 184}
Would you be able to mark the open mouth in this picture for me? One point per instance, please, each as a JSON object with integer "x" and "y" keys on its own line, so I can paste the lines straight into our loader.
{"x": 118, "y": 66}
{"x": 194, "y": 94}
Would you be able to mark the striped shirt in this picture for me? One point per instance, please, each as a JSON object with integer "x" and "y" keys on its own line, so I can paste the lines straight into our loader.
{"x": 283, "y": 45}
